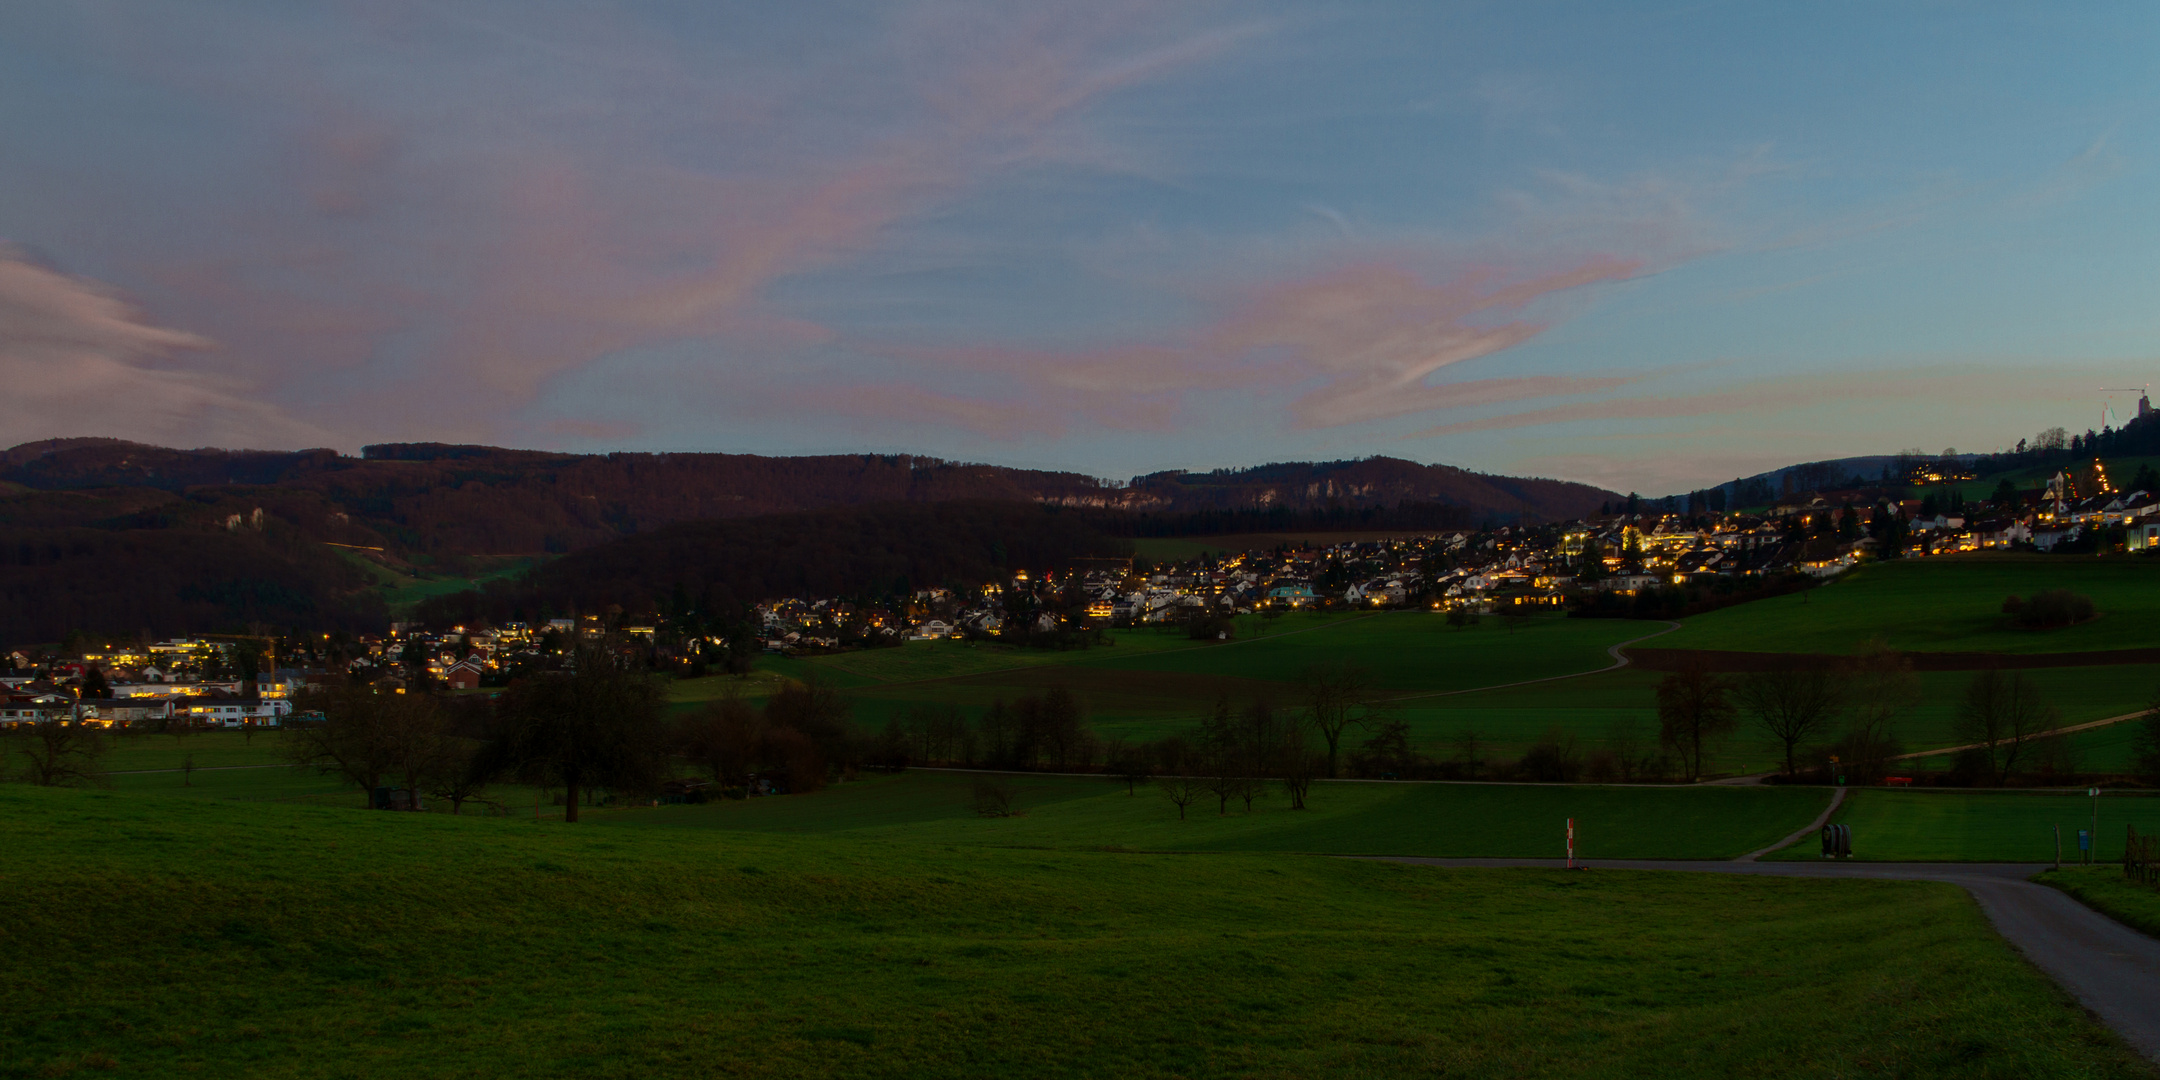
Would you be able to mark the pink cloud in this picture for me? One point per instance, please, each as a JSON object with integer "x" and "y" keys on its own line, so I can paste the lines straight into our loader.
{"x": 502, "y": 244}
{"x": 1369, "y": 335}
{"x": 78, "y": 358}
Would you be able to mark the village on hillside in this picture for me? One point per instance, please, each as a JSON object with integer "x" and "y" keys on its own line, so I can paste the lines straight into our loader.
{"x": 1641, "y": 558}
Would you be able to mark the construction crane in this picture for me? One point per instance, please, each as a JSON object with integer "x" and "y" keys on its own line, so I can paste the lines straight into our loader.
{"x": 2107, "y": 409}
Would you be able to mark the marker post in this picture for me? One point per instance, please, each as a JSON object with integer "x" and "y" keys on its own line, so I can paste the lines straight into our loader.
{"x": 1571, "y": 845}
{"x": 2095, "y": 855}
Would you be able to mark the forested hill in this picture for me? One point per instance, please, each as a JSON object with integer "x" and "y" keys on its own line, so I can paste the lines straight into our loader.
{"x": 437, "y": 500}
{"x": 723, "y": 565}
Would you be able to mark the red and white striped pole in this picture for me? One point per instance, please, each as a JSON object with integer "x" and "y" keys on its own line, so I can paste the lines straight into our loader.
{"x": 1571, "y": 843}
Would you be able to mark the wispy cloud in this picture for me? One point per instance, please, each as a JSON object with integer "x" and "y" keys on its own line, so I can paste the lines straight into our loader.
{"x": 1352, "y": 345}
{"x": 79, "y": 359}
{"x": 559, "y": 217}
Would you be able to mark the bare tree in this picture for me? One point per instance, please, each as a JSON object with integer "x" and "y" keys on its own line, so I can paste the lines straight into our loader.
{"x": 459, "y": 772}
{"x": 1998, "y": 713}
{"x": 1469, "y": 752}
{"x": 1180, "y": 790}
{"x": 60, "y": 752}
{"x": 1694, "y": 712}
{"x": 1630, "y": 750}
{"x": 1297, "y": 765}
{"x": 357, "y": 738}
{"x": 1792, "y": 705}
{"x": 598, "y": 726}
{"x": 1337, "y": 697}
{"x": 723, "y": 738}
{"x": 1128, "y": 763}
{"x": 1882, "y": 686}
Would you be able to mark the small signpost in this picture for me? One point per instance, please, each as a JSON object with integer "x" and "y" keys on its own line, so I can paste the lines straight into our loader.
{"x": 2094, "y": 837}
{"x": 2084, "y": 846}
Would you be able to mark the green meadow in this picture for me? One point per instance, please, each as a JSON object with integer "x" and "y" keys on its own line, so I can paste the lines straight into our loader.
{"x": 1344, "y": 817}
{"x": 1983, "y": 826}
{"x": 2105, "y": 889}
{"x": 1495, "y": 680}
{"x": 1950, "y": 603}
{"x": 151, "y": 934}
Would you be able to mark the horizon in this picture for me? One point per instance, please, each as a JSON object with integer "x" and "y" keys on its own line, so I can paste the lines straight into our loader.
{"x": 1644, "y": 248}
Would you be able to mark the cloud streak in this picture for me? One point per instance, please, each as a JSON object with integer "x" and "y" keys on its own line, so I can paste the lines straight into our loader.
{"x": 1354, "y": 345}
{"x": 79, "y": 359}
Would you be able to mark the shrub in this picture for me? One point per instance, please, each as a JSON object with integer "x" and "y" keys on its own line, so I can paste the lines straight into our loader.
{"x": 2050, "y": 609}
{"x": 993, "y": 800}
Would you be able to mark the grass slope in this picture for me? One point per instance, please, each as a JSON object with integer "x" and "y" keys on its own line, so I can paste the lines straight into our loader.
{"x": 1982, "y": 826}
{"x": 156, "y": 937}
{"x": 1411, "y": 651}
{"x": 1943, "y": 604}
{"x": 2106, "y": 890}
{"x": 1499, "y": 820}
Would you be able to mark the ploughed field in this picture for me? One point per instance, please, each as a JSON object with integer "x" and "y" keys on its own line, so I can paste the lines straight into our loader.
{"x": 153, "y": 934}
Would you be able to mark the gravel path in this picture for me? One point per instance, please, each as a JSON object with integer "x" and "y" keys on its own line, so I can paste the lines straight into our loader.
{"x": 2110, "y": 968}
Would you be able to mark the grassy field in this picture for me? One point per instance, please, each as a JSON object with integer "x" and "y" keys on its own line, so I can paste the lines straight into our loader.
{"x": 2105, "y": 889}
{"x": 1154, "y": 681}
{"x": 1411, "y": 652}
{"x": 1983, "y": 826}
{"x": 152, "y": 936}
{"x": 1945, "y": 604}
{"x": 1466, "y": 820}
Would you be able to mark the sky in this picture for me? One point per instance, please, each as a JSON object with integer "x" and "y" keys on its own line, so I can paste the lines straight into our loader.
{"x": 1650, "y": 246}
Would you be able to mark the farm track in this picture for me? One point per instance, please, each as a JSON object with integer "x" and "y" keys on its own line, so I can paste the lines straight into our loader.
{"x": 2111, "y": 969}
{"x": 1620, "y": 660}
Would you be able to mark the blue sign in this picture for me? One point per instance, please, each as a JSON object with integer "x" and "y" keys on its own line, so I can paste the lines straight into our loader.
{"x": 2084, "y": 840}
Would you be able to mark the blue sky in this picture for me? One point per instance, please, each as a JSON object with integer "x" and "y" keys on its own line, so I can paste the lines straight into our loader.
{"x": 1649, "y": 246}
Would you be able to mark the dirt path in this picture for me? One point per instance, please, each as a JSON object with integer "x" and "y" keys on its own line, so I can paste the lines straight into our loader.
{"x": 1620, "y": 660}
{"x": 1837, "y": 799}
{"x": 2048, "y": 734}
{"x": 2110, "y": 968}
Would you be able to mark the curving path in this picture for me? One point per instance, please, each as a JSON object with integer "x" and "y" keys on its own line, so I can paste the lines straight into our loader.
{"x": 1837, "y": 799}
{"x": 1620, "y": 660}
{"x": 2110, "y": 968}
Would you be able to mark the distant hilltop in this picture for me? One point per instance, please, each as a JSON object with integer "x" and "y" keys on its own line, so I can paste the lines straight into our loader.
{"x": 124, "y": 538}
{"x": 448, "y": 500}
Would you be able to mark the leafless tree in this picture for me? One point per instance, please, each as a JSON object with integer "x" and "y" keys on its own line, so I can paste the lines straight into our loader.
{"x": 1180, "y": 790}
{"x": 1127, "y": 762}
{"x": 365, "y": 735}
{"x": 1694, "y": 712}
{"x": 598, "y": 726}
{"x": 60, "y": 752}
{"x": 1998, "y": 714}
{"x": 1630, "y": 750}
{"x": 1469, "y": 752}
{"x": 1793, "y": 705}
{"x": 1337, "y": 697}
{"x": 723, "y": 738}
